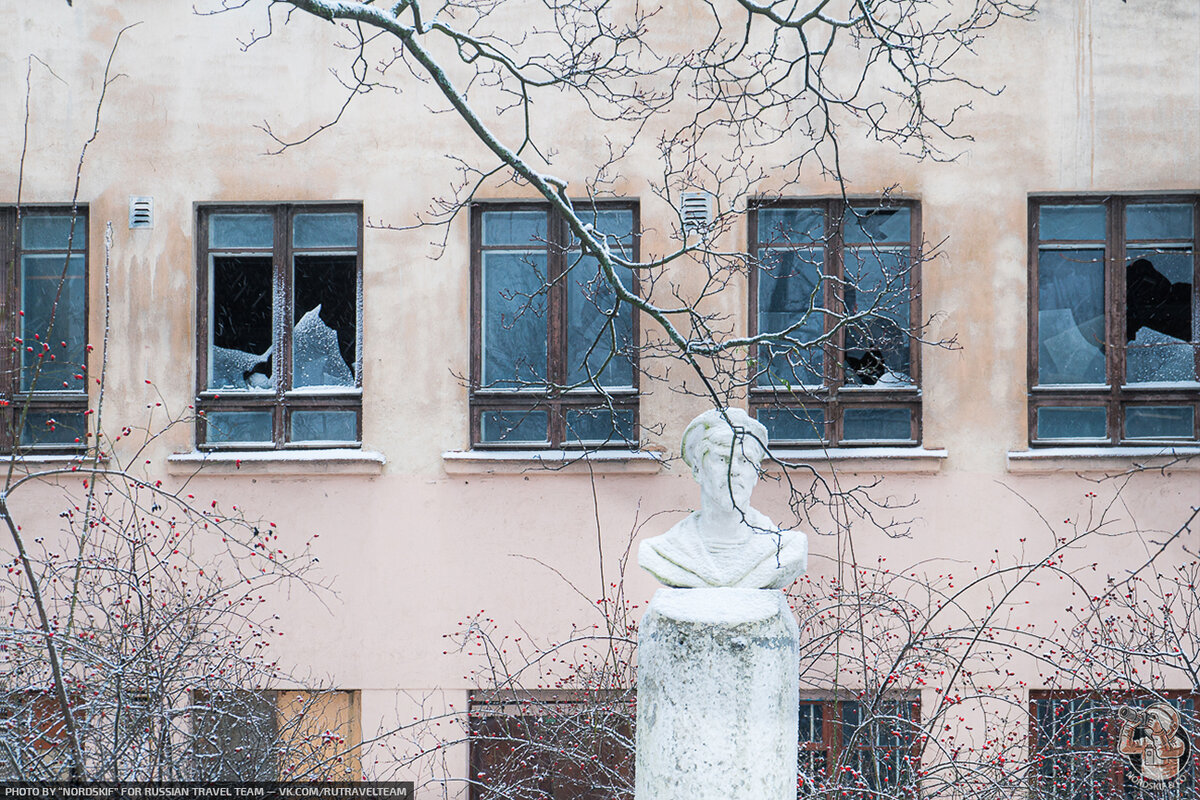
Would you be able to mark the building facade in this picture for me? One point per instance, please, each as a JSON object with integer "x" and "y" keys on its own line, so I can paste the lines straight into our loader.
{"x": 358, "y": 378}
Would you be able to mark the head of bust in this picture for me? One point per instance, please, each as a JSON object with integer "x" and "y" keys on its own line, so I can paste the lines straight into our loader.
{"x": 725, "y": 449}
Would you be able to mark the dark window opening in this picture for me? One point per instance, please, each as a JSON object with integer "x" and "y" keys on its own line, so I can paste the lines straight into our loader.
{"x": 1115, "y": 350}
{"x": 279, "y": 357}
{"x": 553, "y": 353}
{"x": 845, "y": 279}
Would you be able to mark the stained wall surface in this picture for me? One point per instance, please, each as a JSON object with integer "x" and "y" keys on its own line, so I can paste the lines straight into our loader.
{"x": 1098, "y": 96}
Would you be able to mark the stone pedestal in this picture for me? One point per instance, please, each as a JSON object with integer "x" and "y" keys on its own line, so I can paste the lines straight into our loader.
{"x": 718, "y": 696}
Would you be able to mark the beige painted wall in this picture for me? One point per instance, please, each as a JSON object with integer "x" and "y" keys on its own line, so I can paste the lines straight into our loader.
{"x": 1099, "y": 96}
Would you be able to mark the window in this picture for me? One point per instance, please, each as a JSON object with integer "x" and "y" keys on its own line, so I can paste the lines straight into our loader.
{"x": 280, "y": 339}
{"x": 843, "y": 279}
{"x": 553, "y": 354}
{"x": 43, "y": 390}
{"x": 1076, "y": 744}
{"x": 847, "y": 751}
{"x": 1113, "y": 341}
{"x": 272, "y": 735}
{"x": 33, "y": 735}
{"x": 552, "y": 746}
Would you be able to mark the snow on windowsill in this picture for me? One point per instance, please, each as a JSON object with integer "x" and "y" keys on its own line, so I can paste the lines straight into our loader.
{"x": 551, "y": 462}
{"x": 1103, "y": 459}
{"x": 861, "y": 460}
{"x": 45, "y": 462}
{"x": 333, "y": 461}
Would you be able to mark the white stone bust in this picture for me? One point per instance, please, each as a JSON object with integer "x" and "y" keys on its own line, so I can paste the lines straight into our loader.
{"x": 726, "y": 542}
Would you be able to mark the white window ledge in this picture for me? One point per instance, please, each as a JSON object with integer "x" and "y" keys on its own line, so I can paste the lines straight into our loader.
{"x": 532, "y": 462}
{"x": 27, "y": 463}
{"x": 1103, "y": 459}
{"x": 340, "y": 461}
{"x": 862, "y": 460}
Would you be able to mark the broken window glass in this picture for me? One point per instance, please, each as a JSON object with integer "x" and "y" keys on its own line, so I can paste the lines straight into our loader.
{"x": 877, "y": 346}
{"x": 793, "y": 424}
{"x": 1158, "y": 316}
{"x": 1159, "y": 422}
{"x": 592, "y": 425}
{"x": 241, "y": 343}
{"x": 1071, "y": 316}
{"x": 325, "y": 327}
{"x": 324, "y": 426}
{"x": 514, "y": 318}
{"x": 877, "y": 424}
{"x": 790, "y": 287}
{"x": 1072, "y": 422}
{"x": 599, "y": 333}
{"x": 877, "y": 225}
{"x": 53, "y": 324}
{"x": 519, "y": 426}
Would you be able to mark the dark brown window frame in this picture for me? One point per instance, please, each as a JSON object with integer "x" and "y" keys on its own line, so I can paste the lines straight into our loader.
{"x": 525, "y": 400}
{"x": 834, "y": 397}
{"x": 1116, "y": 396}
{"x": 1115, "y": 774}
{"x": 17, "y": 402}
{"x": 833, "y": 745}
{"x": 284, "y": 400}
{"x": 522, "y": 707}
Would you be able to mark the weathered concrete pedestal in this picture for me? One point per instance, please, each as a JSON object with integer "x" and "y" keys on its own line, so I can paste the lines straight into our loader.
{"x": 718, "y": 696}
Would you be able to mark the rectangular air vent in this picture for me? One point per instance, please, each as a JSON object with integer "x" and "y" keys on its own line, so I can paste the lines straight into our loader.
{"x": 696, "y": 210}
{"x": 141, "y": 212}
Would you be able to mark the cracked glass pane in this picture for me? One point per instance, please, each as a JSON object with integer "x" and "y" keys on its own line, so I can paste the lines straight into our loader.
{"x": 241, "y": 343}
{"x": 877, "y": 347}
{"x": 42, "y": 429}
{"x": 881, "y": 424}
{"x": 1157, "y": 221}
{"x": 877, "y": 225}
{"x": 1070, "y": 422}
{"x": 793, "y": 424}
{"x": 53, "y": 232}
{"x": 324, "y": 426}
{"x": 238, "y": 426}
{"x": 1074, "y": 222}
{"x": 514, "y": 318}
{"x": 514, "y": 427}
{"x": 599, "y": 425}
{"x": 325, "y": 230}
{"x": 1071, "y": 316}
{"x": 241, "y": 230}
{"x": 325, "y": 324}
{"x": 791, "y": 225}
{"x": 514, "y": 227}
{"x": 599, "y": 346}
{"x": 789, "y": 292}
{"x": 1158, "y": 317}
{"x": 55, "y": 367}
{"x": 1159, "y": 422}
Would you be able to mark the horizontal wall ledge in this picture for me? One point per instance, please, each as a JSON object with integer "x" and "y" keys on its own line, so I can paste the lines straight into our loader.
{"x": 1107, "y": 460}
{"x": 28, "y": 463}
{"x": 852, "y": 460}
{"x": 551, "y": 462}
{"x": 338, "y": 461}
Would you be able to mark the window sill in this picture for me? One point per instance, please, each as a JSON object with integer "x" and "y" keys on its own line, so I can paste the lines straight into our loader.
{"x": 514, "y": 462}
{"x": 341, "y": 461}
{"x": 854, "y": 460}
{"x": 1103, "y": 459}
{"x": 41, "y": 462}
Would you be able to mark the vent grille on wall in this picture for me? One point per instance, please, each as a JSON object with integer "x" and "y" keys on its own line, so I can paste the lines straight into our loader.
{"x": 141, "y": 212}
{"x": 696, "y": 209}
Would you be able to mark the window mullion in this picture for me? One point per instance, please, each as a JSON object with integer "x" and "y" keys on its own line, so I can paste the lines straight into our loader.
{"x": 834, "y": 296}
{"x": 556, "y": 303}
{"x": 281, "y": 297}
{"x": 1116, "y": 322}
{"x": 8, "y": 293}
